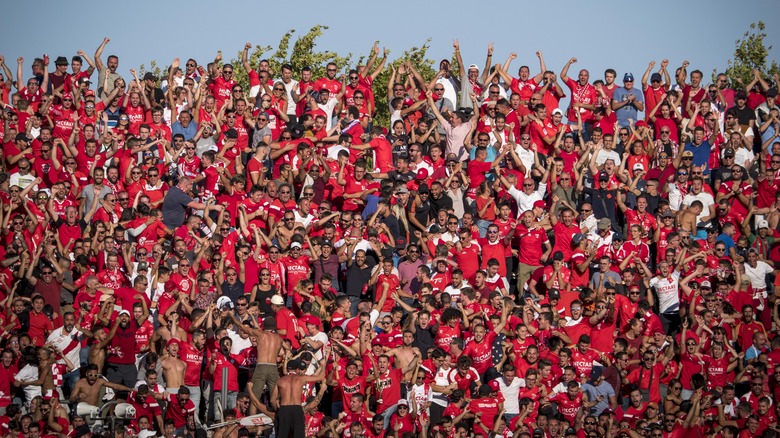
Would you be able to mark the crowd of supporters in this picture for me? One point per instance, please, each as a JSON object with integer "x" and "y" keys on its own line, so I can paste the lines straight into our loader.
{"x": 189, "y": 256}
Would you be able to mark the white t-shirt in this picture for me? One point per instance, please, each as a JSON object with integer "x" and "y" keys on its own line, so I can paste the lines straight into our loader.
{"x": 757, "y": 275}
{"x": 68, "y": 343}
{"x": 668, "y": 292}
{"x": 289, "y": 88}
{"x": 27, "y": 374}
{"x": 510, "y": 394}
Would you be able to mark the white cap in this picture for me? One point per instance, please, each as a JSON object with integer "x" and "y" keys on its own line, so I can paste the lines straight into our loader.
{"x": 295, "y": 245}
{"x": 762, "y": 224}
{"x": 557, "y": 111}
{"x": 639, "y": 166}
{"x": 277, "y": 300}
{"x": 124, "y": 312}
{"x": 473, "y": 66}
{"x": 222, "y": 301}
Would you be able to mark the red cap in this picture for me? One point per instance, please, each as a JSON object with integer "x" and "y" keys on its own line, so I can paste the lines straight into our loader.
{"x": 641, "y": 124}
{"x": 67, "y": 96}
{"x": 310, "y": 319}
{"x": 408, "y": 101}
{"x": 422, "y": 173}
{"x": 171, "y": 342}
{"x": 376, "y": 342}
{"x": 89, "y": 93}
{"x": 494, "y": 385}
{"x": 540, "y": 204}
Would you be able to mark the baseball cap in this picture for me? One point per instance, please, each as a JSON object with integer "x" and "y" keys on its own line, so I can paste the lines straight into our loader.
{"x": 402, "y": 190}
{"x": 124, "y": 312}
{"x": 655, "y": 77}
{"x": 628, "y": 77}
{"x": 577, "y": 238}
{"x": 231, "y": 133}
{"x": 603, "y": 176}
{"x": 557, "y": 255}
{"x": 772, "y": 92}
{"x": 639, "y": 166}
{"x": 422, "y": 173}
{"x": 707, "y": 284}
{"x": 762, "y": 224}
{"x": 67, "y": 96}
{"x": 618, "y": 236}
{"x": 89, "y": 93}
{"x": 571, "y": 431}
{"x": 641, "y": 124}
{"x": 553, "y": 294}
{"x": 400, "y": 243}
{"x": 741, "y": 95}
{"x": 277, "y": 300}
{"x": 61, "y": 60}
{"x": 434, "y": 229}
{"x": 295, "y": 245}
{"x": 557, "y": 111}
{"x": 728, "y": 152}
{"x": 473, "y": 67}
{"x": 667, "y": 213}
{"x": 84, "y": 80}
{"x": 540, "y": 204}
{"x": 596, "y": 372}
{"x": 149, "y": 76}
{"x": 604, "y": 223}
{"x": 403, "y": 402}
{"x": 423, "y": 188}
{"x": 143, "y": 267}
{"x": 494, "y": 385}
{"x": 653, "y": 405}
{"x": 687, "y": 154}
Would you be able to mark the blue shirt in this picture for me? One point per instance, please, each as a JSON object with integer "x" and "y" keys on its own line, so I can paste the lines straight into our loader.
{"x": 701, "y": 155}
{"x": 629, "y": 111}
{"x": 727, "y": 240}
{"x": 187, "y": 132}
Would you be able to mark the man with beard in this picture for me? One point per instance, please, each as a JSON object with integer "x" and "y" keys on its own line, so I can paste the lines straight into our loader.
{"x": 67, "y": 339}
{"x": 121, "y": 360}
{"x": 87, "y": 389}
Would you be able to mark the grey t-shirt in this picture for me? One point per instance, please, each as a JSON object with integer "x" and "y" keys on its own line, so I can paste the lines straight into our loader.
{"x": 174, "y": 207}
{"x": 88, "y": 193}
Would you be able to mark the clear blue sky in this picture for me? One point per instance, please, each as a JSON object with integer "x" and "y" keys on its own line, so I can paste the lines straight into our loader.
{"x": 618, "y": 34}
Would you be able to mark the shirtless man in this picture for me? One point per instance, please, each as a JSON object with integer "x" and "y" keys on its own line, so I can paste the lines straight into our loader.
{"x": 168, "y": 331}
{"x": 45, "y": 380}
{"x": 87, "y": 390}
{"x": 173, "y": 368}
{"x": 286, "y": 397}
{"x": 97, "y": 352}
{"x": 687, "y": 217}
{"x": 269, "y": 344}
{"x": 405, "y": 354}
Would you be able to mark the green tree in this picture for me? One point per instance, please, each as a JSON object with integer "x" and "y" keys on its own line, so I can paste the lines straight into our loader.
{"x": 417, "y": 57}
{"x": 750, "y": 54}
{"x": 304, "y": 54}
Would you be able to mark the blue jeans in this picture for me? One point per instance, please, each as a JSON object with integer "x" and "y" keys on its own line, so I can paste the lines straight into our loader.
{"x": 69, "y": 381}
{"x": 336, "y": 408}
{"x": 353, "y": 305}
{"x": 389, "y": 413}
{"x": 195, "y": 395}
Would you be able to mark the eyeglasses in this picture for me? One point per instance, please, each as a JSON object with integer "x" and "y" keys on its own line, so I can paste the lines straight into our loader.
{"x": 289, "y": 219}
{"x": 331, "y": 69}
{"x": 720, "y": 249}
{"x": 590, "y": 423}
{"x": 682, "y": 173}
{"x": 438, "y": 89}
{"x": 189, "y": 64}
{"x": 690, "y": 344}
{"x": 664, "y": 131}
{"x": 43, "y": 151}
{"x": 142, "y": 253}
{"x": 238, "y": 90}
{"x": 492, "y": 231}
{"x": 224, "y": 229}
{"x": 227, "y": 72}
{"x": 358, "y": 97}
{"x": 585, "y": 211}
{"x": 278, "y": 89}
{"x": 241, "y": 304}
{"x": 736, "y": 171}
{"x": 265, "y": 275}
{"x": 182, "y": 265}
{"x": 284, "y": 192}
{"x": 353, "y": 78}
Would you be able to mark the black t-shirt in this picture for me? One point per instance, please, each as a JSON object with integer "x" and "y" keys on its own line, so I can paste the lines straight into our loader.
{"x": 174, "y": 207}
{"x": 357, "y": 278}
